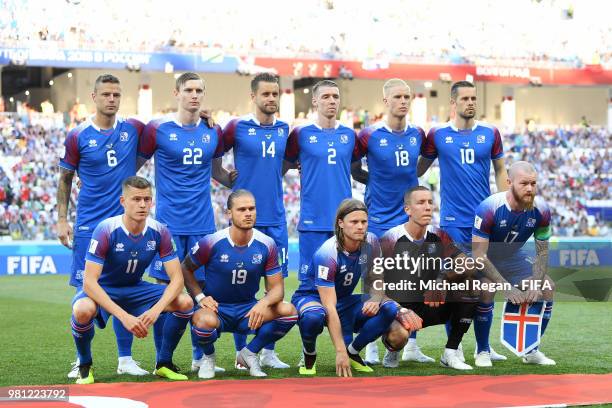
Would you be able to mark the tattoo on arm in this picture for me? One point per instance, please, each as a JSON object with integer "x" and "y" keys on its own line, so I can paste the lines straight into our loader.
{"x": 63, "y": 192}
{"x": 540, "y": 267}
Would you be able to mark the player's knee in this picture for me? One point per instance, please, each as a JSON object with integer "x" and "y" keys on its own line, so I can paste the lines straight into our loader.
{"x": 205, "y": 320}
{"x": 312, "y": 321}
{"x": 84, "y": 310}
{"x": 286, "y": 309}
{"x": 396, "y": 338}
{"x": 183, "y": 302}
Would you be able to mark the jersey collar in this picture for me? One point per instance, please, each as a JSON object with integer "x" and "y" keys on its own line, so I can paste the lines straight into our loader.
{"x": 253, "y": 118}
{"x": 176, "y": 120}
{"x": 128, "y": 233}
{"x": 232, "y": 243}
{"x": 410, "y": 238}
{"x": 384, "y": 125}
{"x": 320, "y": 128}
{"x": 452, "y": 125}
{"x": 93, "y": 125}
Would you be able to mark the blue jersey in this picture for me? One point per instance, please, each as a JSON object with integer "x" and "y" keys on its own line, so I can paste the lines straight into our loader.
{"x": 495, "y": 221}
{"x": 392, "y": 159}
{"x": 259, "y": 151}
{"x": 465, "y": 163}
{"x": 339, "y": 269}
{"x": 233, "y": 273}
{"x": 183, "y": 161}
{"x": 325, "y": 156}
{"x": 124, "y": 256}
{"x": 102, "y": 159}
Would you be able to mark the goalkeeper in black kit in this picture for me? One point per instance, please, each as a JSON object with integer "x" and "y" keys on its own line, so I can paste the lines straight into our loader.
{"x": 431, "y": 265}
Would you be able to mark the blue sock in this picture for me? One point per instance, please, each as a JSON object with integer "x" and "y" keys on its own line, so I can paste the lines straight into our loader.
{"x": 546, "y": 317}
{"x": 83, "y": 334}
{"x": 270, "y": 346}
{"x": 196, "y": 350}
{"x": 174, "y": 327}
{"x": 375, "y": 326}
{"x": 124, "y": 338}
{"x": 447, "y": 326}
{"x": 158, "y": 333}
{"x": 240, "y": 341}
{"x": 413, "y": 335}
{"x": 483, "y": 319}
{"x": 206, "y": 339}
{"x": 311, "y": 324}
{"x": 271, "y": 331}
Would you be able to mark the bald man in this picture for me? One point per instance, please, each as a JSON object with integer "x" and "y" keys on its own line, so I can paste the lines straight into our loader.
{"x": 507, "y": 220}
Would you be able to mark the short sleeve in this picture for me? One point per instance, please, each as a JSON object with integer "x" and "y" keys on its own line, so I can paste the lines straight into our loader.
{"x": 167, "y": 247}
{"x": 428, "y": 149}
{"x": 229, "y": 134}
{"x": 219, "y": 150}
{"x": 324, "y": 269}
{"x": 483, "y": 220}
{"x": 70, "y": 155}
{"x": 99, "y": 244}
{"x": 148, "y": 140}
{"x": 292, "y": 150}
{"x": 497, "y": 151}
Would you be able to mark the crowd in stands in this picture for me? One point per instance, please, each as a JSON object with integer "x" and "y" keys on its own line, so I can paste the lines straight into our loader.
{"x": 573, "y": 166}
{"x": 540, "y": 33}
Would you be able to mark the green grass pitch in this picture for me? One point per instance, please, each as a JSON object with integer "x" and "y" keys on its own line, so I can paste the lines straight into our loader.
{"x": 37, "y": 346}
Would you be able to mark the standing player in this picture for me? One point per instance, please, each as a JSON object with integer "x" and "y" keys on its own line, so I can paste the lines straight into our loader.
{"x": 235, "y": 260}
{"x": 325, "y": 150}
{"x": 325, "y": 294}
{"x": 121, "y": 248}
{"x": 186, "y": 152}
{"x": 414, "y": 239}
{"x": 258, "y": 141}
{"x": 506, "y": 220}
{"x": 465, "y": 149}
{"x": 103, "y": 152}
{"x": 392, "y": 149}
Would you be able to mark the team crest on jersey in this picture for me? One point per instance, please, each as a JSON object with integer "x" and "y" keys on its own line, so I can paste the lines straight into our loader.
{"x": 224, "y": 258}
{"x": 344, "y": 139}
{"x": 466, "y": 144}
{"x": 257, "y": 258}
{"x": 480, "y": 139}
{"x": 173, "y": 137}
{"x": 449, "y": 139}
{"x": 92, "y": 246}
{"x": 251, "y": 131}
{"x": 157, "y": 265}
{"x": 281, "y": 132}
{"x": 191, "y": 143}
{"x": 123, "y": 136}
{"x": 134, "y": 254}
{"x": 239, "y": 264}
{"x": 383, "y": 142}
{"x": 206, "y": 139}
{"x": 400, "y": 147}
{"x": 93, "y": 143}
{"x": 304, "y": 269}
{"x": 363, "y": 259}
{"x": 330, "y": 144}
{"x": 413, "y": 141}
{"x": 119, "y": 247}
{"x": 312, "y": 139}
{"x": 268, "y": 136}
{"x": 151, "y": 245}
{"x": 531, "y": 222}
{"x": 109, "y": 146}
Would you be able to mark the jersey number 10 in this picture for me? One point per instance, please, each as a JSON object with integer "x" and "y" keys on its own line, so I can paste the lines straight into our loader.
{"x": 467, "y": 156}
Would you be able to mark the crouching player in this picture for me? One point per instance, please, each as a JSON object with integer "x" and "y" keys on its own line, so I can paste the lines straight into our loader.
{"x": 326, "y": 296}
{"x": 235, "y": 260}
{"x": 423, "y": 281}
{"x": 121, "y": 248}
{"x": 503, "y": 223}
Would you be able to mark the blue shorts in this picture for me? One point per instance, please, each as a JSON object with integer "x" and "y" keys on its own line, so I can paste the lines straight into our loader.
{"x": 232, "y": 317}
{"x": 349, "y": 310}
{"x": 309, "y": 242}
{"x": 461, "y": 236}
{"x": 135, "y": 299}
{"x": 79, "y": 250}
{"x": 183, "y": 243}
{"x": 280, "y": 236}
{"x": 516, "y": 268}
{"x": 376, "y": 230}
